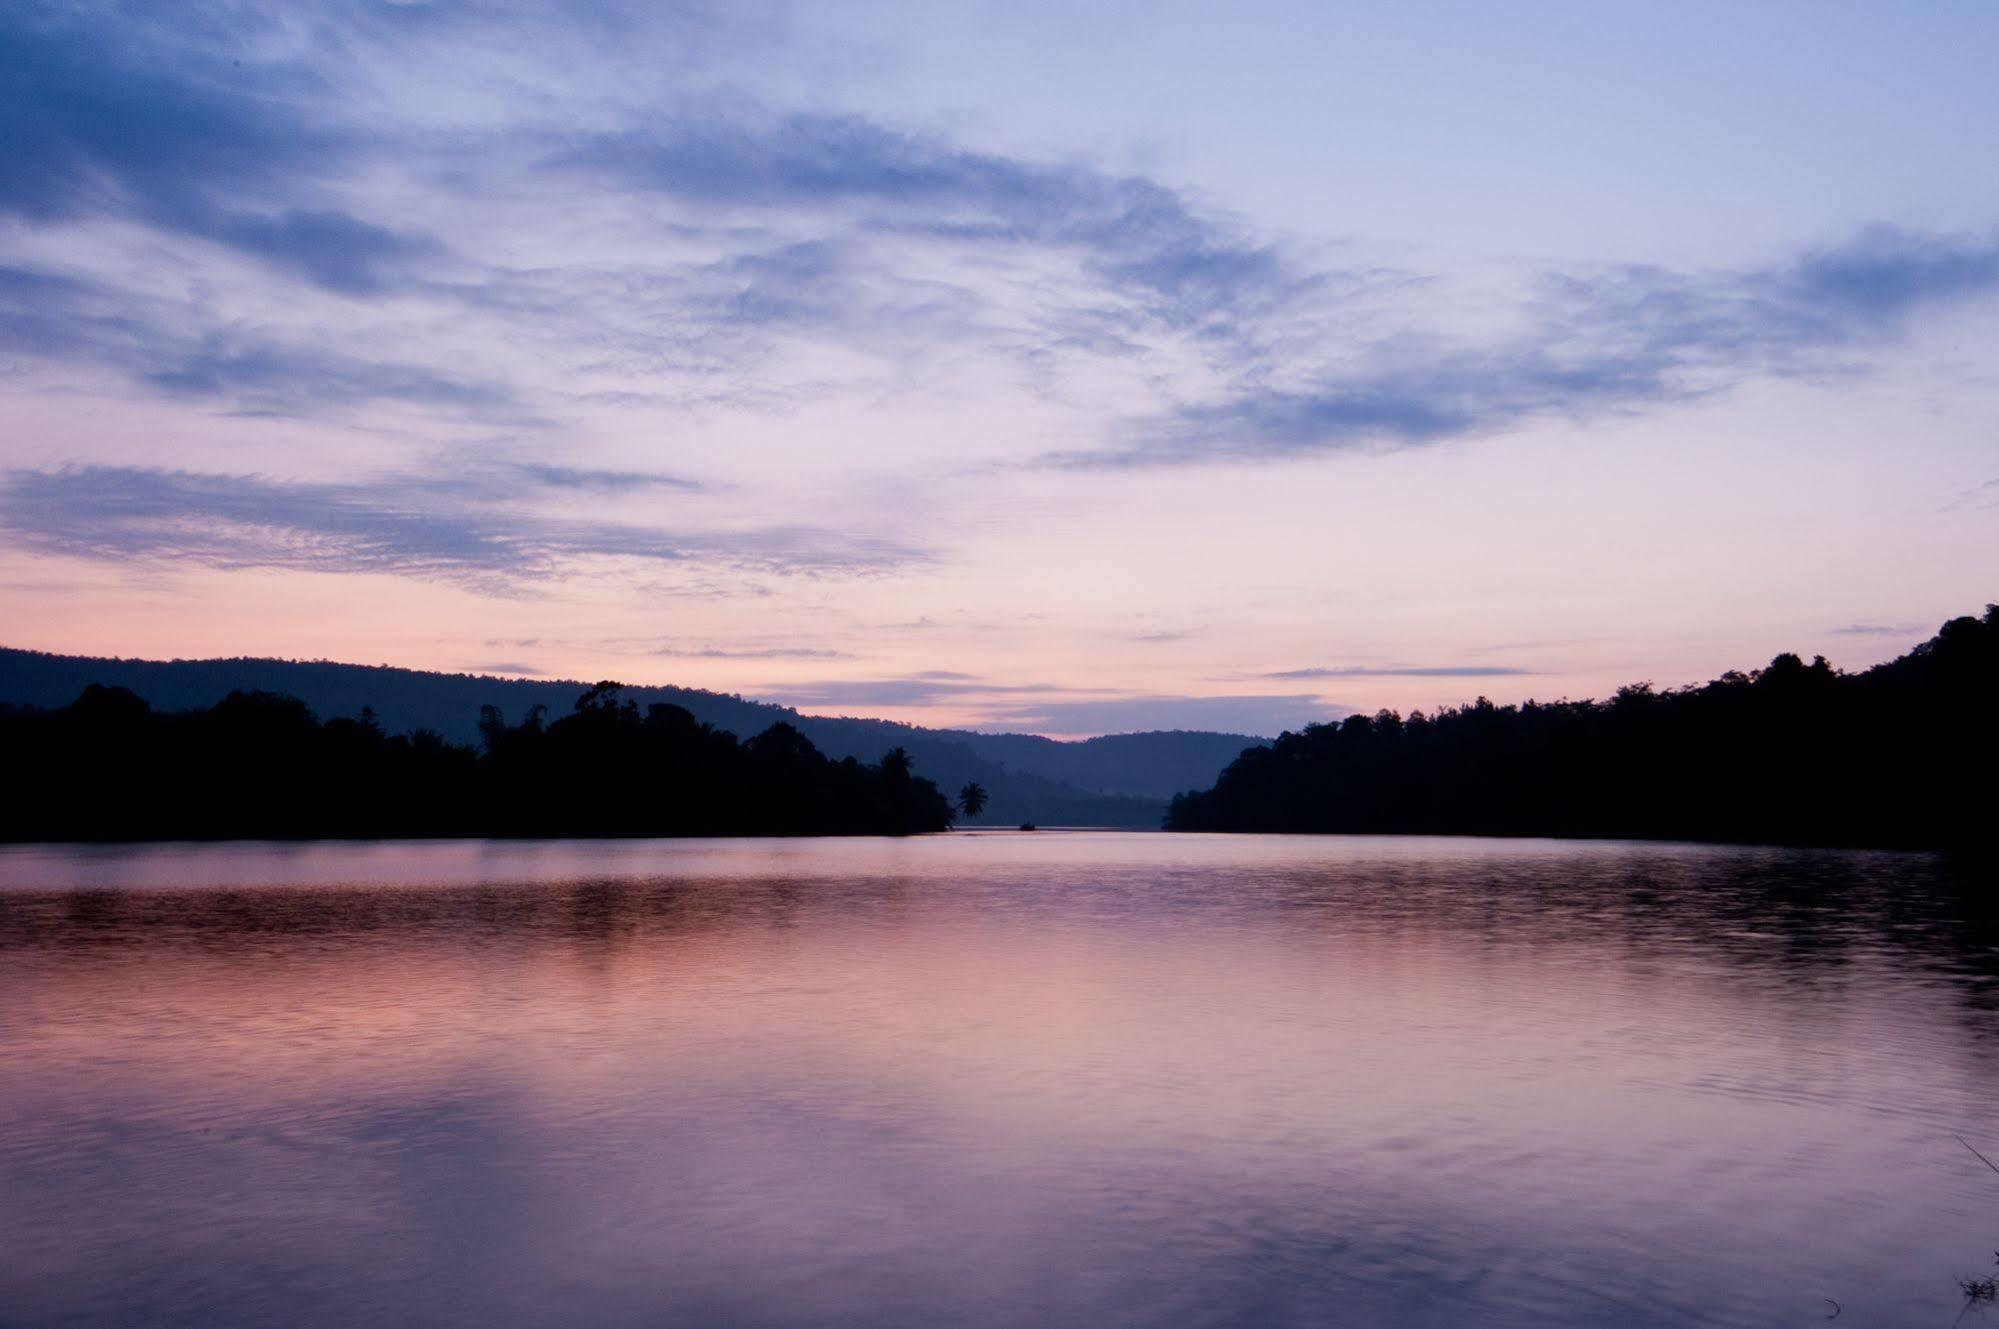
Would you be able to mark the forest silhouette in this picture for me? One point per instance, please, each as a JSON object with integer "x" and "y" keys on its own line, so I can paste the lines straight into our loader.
{"x": 261, "y": 765}
{"x": 1902, "y": 754}
{"x": 1898, "y": 755}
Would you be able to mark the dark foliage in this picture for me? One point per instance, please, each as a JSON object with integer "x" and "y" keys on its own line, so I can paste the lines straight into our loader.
{"x": 109, "y": 767}
{"x": 1900, "y": 755}
{"x": 1119, "y": 780}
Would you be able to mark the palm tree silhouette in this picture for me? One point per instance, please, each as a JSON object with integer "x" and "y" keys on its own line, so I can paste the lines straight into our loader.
{"x": 972, "y": 799}
{"x": 896, "y": 763}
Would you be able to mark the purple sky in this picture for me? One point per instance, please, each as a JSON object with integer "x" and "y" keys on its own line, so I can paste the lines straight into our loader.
{"x": 1162, "y": 366}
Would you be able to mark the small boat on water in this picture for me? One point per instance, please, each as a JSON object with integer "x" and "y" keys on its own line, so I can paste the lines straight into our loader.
{"x": 1027, "y": 826}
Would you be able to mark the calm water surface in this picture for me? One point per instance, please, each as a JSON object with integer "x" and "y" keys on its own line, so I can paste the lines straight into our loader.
{"x": 1060, "y": 1079}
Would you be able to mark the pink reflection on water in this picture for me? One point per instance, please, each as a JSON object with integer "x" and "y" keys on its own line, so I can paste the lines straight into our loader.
{"x": 987, "y": 1079}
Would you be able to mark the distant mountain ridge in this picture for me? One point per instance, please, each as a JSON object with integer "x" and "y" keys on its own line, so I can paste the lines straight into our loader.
{"x": 1155, "y": 764}
{"x": 1116, "y": 780}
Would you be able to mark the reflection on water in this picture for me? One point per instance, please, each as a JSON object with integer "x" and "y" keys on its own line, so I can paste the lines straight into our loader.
{"x": 993, "y": 1080}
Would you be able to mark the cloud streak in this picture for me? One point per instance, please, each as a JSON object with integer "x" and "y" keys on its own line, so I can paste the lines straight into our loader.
{"x": 919, "y": 689}
{"x": 1135, "y": 235}
{"x": 835, "y": 228}
{"x": 161, "y": 345}
{"x": 750, "y": 653}
{"x": 1263, "y": 716}
{"x": 1882, "y": 629}
{"x": 107, "y": 119}
{"x": 1603, "y": 343}
{"x": 409, "y": 527}
{"x": 1401, "y": 671}
{"x": 606, "y": 482}
{"x": 1056, "y": 709}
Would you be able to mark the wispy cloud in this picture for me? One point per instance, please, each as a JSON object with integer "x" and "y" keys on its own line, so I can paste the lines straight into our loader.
{"x": 505, "y": 668}
{"x": 1401, "y": 671}
{"x": 1057, "y": 709}
{"x": 163, "y": 345}
{"x": 1135, "y": 235}
{"x": 1602, "y": 342}
{"x": 1978, "y": 497}
{"x": 919, "y": 689}
{"x": 746, "y": 222}
{"x": 1262, "y": 716}
{"x": 106, "y": 118}
{"x": 752, "y": 653}
{"x": 272, "y": 378}
{"x": 678, "y": 648}
{"x": 406, "y": 526}
{"x": 606, "y": 482}
{"x": 1882, "y": 629}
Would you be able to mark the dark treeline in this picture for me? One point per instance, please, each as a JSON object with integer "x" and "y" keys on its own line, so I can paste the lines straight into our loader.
{"x": 1117, "y": 780}
{"x": 257, "y": 764}
{"x": 1903, "y": 754}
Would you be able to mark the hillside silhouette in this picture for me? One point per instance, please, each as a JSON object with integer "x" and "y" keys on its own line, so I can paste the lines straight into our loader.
{"x": 1898, "y": 755}
{"x": 257, "y": 764}
{"x": 1117, "y": 780}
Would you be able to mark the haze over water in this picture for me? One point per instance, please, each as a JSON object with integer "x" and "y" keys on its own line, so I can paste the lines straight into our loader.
{"x": 1061, "y": 1079}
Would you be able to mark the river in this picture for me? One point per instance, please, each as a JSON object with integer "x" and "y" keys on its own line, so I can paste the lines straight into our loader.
{"x": 983, "y": 1079}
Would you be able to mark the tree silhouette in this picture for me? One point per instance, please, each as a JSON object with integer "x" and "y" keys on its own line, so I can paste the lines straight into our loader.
{"x": 896, "y": 763}
{"x": 1898, "y": 755}
{"x": 109, "y": 767}
{"x": 972, "y": 799}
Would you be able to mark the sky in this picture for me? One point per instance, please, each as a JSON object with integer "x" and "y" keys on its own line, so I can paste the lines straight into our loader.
{"x": 1027, "y": 366}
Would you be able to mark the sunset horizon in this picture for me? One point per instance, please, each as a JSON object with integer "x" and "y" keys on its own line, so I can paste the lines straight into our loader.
{"x": 1425, "y": 689}
{"x": 861, "y": 361}
{"x": 885, "y": 664}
